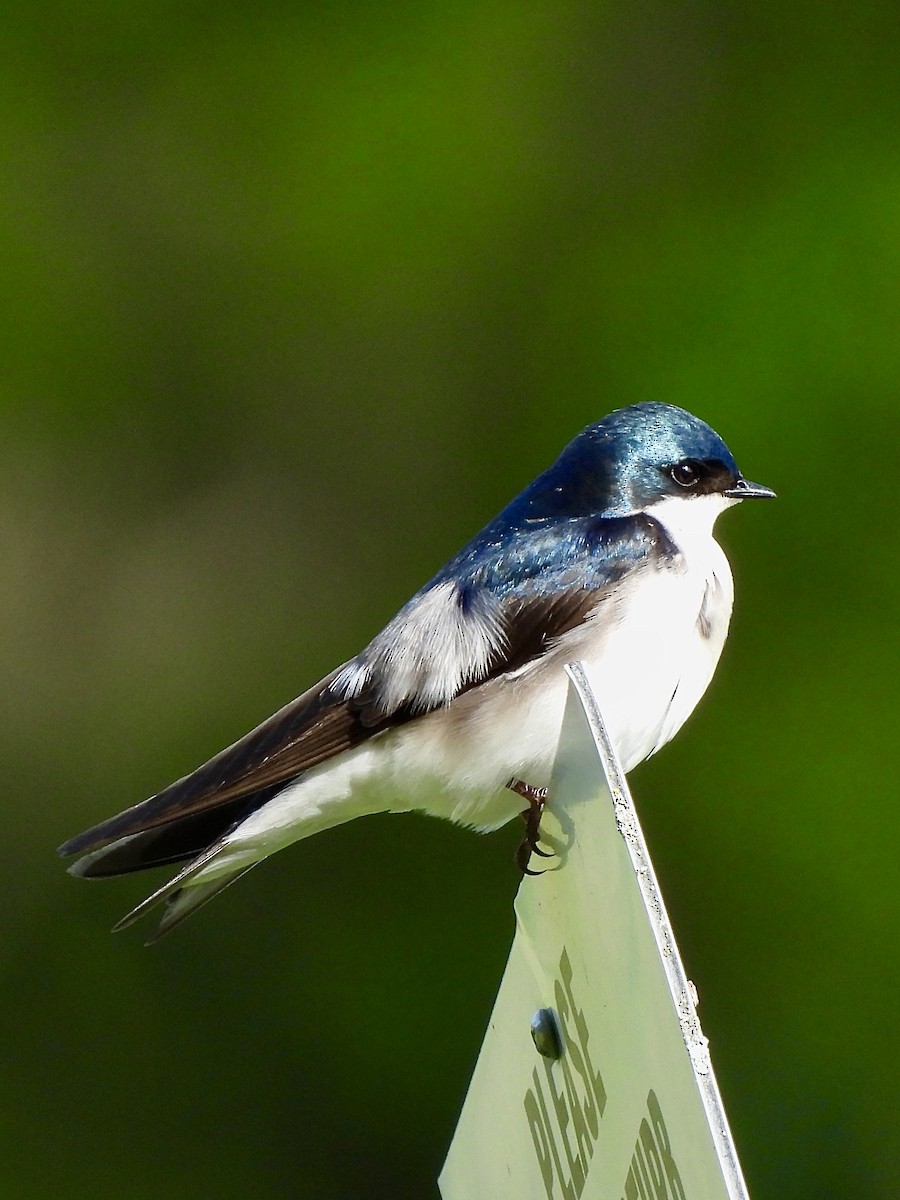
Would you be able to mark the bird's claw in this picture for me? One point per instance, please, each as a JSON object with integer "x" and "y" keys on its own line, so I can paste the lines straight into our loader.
{"x": 536, "y": 798}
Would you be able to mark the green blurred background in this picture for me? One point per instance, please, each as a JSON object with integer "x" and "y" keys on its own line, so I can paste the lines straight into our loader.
{"x": 295, "y": 297}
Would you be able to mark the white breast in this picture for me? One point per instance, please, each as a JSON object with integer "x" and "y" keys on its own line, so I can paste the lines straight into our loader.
{"x": 672, "y": 635}
{"x": 649, "y": 675}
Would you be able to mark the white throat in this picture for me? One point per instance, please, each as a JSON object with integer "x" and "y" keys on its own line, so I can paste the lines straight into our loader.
{"x": 689, "y": 520}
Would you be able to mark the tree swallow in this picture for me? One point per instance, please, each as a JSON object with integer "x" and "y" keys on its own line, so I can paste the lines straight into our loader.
{"x": 455, "y": 708}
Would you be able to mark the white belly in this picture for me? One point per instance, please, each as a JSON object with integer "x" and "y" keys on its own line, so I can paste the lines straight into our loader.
{"x": 649, "y": 677}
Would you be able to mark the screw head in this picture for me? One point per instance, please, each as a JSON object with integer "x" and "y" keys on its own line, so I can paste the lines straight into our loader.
{"x": 545, "y": 1033}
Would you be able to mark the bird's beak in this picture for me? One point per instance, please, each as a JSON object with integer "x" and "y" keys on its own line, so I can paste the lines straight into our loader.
{"x": 745, "y": 490}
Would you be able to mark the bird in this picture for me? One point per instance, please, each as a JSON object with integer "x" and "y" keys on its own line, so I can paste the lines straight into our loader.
{"x": 455, "y": 708}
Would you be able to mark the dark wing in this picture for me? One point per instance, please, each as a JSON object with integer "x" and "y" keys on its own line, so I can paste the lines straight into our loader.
{"x": 312, "y": 728}
{"x": 493, "y": 609}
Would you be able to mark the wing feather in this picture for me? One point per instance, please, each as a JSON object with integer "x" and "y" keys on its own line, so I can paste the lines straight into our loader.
{"x": 309, "y": 730}
{"x": 496, "y": 607}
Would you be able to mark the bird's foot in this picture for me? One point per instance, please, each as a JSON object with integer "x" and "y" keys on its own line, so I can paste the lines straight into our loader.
{"x": 536, "y": 798}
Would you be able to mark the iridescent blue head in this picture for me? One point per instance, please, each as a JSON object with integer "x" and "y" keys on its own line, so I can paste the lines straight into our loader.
{"x": 635, "y": 458}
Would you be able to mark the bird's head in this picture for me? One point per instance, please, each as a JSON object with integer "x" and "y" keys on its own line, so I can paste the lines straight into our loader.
{"x": 648, "y": 457}
{"x": 654, "y": 452}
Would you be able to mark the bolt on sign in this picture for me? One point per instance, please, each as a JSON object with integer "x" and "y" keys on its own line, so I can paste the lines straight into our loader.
{"x": 594, "y": 1081}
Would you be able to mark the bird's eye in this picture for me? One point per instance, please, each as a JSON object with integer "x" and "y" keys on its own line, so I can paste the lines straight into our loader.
{"x": 686, "y": 474}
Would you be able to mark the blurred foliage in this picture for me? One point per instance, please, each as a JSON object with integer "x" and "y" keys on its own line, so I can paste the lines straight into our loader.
{"x": 295, "y": 297}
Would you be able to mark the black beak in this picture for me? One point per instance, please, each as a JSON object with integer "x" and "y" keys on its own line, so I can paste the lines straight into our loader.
{"x": 745, "y": 490}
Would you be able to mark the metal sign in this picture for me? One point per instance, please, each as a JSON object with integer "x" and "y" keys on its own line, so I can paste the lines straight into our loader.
{"x": 594, "y": 1080}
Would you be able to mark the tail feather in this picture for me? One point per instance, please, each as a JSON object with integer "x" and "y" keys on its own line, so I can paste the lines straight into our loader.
{"x": 181, "y": 895}
{"x": 184, "y": 902}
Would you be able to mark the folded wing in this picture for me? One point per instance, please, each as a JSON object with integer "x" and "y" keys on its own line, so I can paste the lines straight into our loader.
{"x": 492, "y": 610}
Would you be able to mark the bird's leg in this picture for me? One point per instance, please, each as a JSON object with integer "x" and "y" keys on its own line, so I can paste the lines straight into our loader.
{"x": 536, "y": 798}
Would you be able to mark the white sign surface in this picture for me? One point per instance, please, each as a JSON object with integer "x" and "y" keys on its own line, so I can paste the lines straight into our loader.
{"x": 630, "y": 1109}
